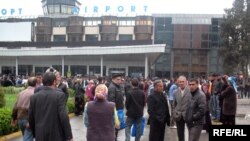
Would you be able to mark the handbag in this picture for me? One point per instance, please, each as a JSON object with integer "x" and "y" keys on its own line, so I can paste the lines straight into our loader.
{"x": 120, "y": 114}
{"x": 133, "y": 129}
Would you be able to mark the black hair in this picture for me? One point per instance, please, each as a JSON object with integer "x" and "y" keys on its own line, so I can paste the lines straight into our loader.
{"x": 116, "y": 75}
{"x": 99, "y": 79}
{"x": 49, "y": 78}
{"x": 39, "y": 74}
{"x": 135, "y": 82}
{"x": 194, "y": 80}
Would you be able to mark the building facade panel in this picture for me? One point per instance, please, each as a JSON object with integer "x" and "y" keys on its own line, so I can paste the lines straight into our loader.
{"x": 59, "y": 30}
{"x": 91, "y": 30}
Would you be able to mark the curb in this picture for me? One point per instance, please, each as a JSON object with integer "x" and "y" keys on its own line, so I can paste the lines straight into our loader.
{"x": 11, "y": 136}
{"x": 19, "y": 133}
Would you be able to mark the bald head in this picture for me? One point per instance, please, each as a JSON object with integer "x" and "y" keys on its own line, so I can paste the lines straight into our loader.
{"x": 32, "y": 81}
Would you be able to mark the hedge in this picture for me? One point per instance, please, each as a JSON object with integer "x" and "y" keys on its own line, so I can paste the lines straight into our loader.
{"x": 5, "y": 122}
{"x": 2, "y": 100}
{"x": 71, "y": 105}
{"x": 12, "y": 90}
{"x": 9, "y": 95}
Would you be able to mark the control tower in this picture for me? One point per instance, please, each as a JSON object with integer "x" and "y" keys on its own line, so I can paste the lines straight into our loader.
{"x": 60, "y": 7}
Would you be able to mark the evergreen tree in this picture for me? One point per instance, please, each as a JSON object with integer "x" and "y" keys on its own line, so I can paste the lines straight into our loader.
{"x": 235, "y": 32}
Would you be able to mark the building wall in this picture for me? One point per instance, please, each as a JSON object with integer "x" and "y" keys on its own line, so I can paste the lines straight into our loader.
{"x": 193, "y": 40}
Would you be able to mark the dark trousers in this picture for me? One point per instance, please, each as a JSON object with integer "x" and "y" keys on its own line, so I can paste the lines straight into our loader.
{"x": 228, "y": 119}
{"x": 207, "y": 125}
{"x": 181, "y": 129}
{"x": 116, "y": 134}
{"x": 194, "y": 133}
{"x": 157, "y": 131}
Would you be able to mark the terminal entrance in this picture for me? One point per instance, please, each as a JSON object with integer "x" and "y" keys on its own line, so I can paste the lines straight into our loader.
{"x": 113, "y": 71}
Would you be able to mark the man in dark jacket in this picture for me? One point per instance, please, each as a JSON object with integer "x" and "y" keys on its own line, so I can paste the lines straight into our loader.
{"x": 195, "y": 114}
{"x": 115, "y": 95}
{"x": 158, "y": 111}
{"x": 48, "y": 117}
{"x": 135, "y": 102}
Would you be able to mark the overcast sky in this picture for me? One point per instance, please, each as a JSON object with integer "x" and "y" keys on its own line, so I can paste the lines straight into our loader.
{"x": 34, "y": 7}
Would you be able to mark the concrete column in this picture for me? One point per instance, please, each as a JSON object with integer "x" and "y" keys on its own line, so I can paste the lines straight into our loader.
{"x": 62, "y": 66}
{"x": 101, "y": 65}
{"x": 107, "y": 71}
{"x": 69, "y": 69}
{"x": 16, "y": 66}
{"x": 0, "y": 69}
{"x": 126, "y": 71}
{"x": 27, "y": 71}
{"x": 87, "y": 69}
{"x": 33, "y": 69}
{"x": 146, "y": 66}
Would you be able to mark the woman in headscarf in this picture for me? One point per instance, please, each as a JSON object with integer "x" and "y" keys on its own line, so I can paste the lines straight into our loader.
{"x": 229, "y": 104}
{"x": 100, "y": 117}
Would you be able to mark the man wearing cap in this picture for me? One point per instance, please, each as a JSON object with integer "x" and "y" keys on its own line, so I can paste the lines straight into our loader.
{"x": 115, "y": 95}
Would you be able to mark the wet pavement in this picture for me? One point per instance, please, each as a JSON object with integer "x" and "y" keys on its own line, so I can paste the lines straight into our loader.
{"x": 79, "y": 130}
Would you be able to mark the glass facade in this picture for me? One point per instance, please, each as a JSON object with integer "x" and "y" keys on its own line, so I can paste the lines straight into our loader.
{"x": 190, "y": 39}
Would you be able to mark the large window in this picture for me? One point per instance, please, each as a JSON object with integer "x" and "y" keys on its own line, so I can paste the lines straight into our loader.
{"x": 24, "y": 69}
{"x": 125, "y": 37}
{"x": 59, "y": 38}
{"x": 92, "y": 37}
{"x": 77, "y": 69}
{"x": 74, "y": 38}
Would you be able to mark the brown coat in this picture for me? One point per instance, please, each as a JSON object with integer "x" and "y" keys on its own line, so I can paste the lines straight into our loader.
{"x": 229, "y": 101}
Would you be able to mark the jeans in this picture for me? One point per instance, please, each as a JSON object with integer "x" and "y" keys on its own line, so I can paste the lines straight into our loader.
{"x": 27, "y": 134}
{"x": 216, "y": 109}
{"x": 129, "y": 123}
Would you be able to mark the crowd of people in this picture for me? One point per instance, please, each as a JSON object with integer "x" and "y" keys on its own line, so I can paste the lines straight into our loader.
{"x": 107, "y": 106}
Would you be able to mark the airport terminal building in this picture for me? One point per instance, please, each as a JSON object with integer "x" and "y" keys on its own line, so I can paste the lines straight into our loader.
{"x": 164, "y": 45}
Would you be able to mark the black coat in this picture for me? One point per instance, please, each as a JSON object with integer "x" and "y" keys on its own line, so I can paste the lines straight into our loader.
{"x": 48, "y": 117}
{"x": 115, "y": 95}
{"x": 196, "y": 108}
{"x": 158, "y": 108}
{"x": 135, "y": 101}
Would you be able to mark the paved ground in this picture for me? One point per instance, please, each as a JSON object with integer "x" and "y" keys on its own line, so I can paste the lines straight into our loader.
{"x": 79, "y": 131}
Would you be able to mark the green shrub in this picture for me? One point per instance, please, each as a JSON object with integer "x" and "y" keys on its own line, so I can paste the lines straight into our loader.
{"x": 5, "y": 122}
{"x": 71, "y": 105}
{"x": 71, "y": 92}
{"x": 12, "y": 90}
{"x": 2, "y": 100}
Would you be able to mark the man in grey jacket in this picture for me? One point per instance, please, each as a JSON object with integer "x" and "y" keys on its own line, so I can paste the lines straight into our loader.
{"x": 181, "y": 98}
